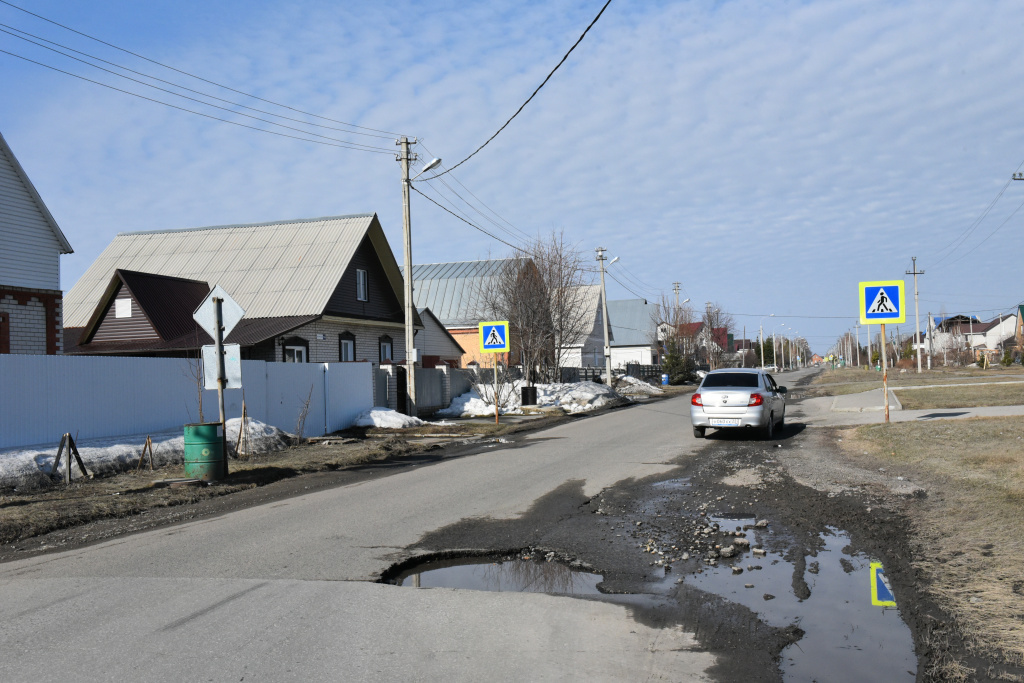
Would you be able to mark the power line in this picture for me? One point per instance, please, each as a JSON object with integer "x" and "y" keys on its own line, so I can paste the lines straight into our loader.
{"x": 345, "y": 145}
{"x": 191, "y": 75}
{"x": 971, "y": 250}
{"x": 640, "y": 296}
{"x": 193, "y": 99}
{"x": 161, "y": 80}
{"x": 566, "y": 56}
{"x": 469, "y": 223}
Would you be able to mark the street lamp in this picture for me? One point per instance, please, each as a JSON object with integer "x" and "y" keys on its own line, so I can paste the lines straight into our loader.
{"x": 760, "y": 328}
{"x": 410, "y": 352}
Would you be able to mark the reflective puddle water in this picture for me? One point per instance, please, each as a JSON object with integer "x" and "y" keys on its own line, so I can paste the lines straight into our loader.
{"x": 846, "y": 638}
{"x": 511, "y": 575}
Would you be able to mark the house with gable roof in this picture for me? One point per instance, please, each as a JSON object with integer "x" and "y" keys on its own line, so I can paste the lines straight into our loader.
{"x": 31, "y": 244}
{"x": 633, "y": 332}
{"x": 313, "y": 290}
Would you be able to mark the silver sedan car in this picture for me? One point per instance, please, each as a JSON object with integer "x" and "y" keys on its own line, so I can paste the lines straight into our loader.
{"x": 738, "y": 397}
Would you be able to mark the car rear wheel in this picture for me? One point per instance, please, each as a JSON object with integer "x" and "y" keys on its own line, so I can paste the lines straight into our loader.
{"x": 698, "y": 432}
{"x": 769, "y": 429}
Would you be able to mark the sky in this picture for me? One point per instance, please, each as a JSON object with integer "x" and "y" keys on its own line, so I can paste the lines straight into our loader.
{"x": 768, "y": 156}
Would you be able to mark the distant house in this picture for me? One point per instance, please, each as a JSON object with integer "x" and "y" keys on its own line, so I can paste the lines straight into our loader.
{"x": 633, "y": 332}
{"x": 453, "y": 293}
{"x": 30, "y": 247}
{"x": 436, "y": 344}
{"x": 587, "y": 349}
{"x": 313, "y": 290}
{"x": 990, "y": 338}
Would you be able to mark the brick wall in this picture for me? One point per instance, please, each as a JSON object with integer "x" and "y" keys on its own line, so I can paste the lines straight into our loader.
{"x": 326, "y": 350}
{"x": 32, "y": 321}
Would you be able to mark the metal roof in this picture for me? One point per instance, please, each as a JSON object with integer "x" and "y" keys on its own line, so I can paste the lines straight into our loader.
{"x": 631, "y": 323}
{"x": 452, "y": 290}
{"x": 286, "y": 268}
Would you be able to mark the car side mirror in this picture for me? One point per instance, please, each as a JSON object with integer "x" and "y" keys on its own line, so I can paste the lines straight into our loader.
{"x": 782, "y": 390}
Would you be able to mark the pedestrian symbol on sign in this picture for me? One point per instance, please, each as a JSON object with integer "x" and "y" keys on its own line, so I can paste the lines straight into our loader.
{"x": 494, "y": 338}
{"x": 881, "y": 304}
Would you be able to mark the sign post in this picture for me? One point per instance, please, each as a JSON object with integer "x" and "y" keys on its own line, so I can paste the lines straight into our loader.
{"x": 881, "y": 302}
{"x": 218, "y": 315}
{"x": 494, "y": 339}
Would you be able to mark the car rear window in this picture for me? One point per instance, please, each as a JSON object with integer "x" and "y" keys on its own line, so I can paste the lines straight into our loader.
{"x": 731, "y": 379}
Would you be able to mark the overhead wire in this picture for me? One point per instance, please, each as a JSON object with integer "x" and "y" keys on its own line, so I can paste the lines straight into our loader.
{"x": 467, "y": 222}
{"x": 345, "y": 145}
{"x": 357, "y": 145}
{"x": 5, "y": 28}
{"x": 528, "y": 99}
{"x": 987, "y": 237}
{"x": 191, "y": 75}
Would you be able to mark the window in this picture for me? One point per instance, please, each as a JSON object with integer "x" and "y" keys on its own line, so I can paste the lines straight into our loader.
{"x": 295, "y": 354}
{"x": 122, "y": 308}
{"x": 361, "y": 288}
{"x": 386, "y": 349}
{"x": 346, "y": 346}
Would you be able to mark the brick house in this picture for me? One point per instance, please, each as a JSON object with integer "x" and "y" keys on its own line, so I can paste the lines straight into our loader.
{"x": 30, "y": 247}
{"x": 314, "y": 290}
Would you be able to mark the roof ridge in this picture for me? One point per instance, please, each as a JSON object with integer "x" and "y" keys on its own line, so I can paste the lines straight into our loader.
{"x": 248, "y": 225}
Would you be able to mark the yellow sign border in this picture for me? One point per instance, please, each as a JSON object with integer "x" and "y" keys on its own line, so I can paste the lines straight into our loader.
{"x": 480, "y": 334}
{"x": 875, "y": 568}
{"x": 863, "y": 305}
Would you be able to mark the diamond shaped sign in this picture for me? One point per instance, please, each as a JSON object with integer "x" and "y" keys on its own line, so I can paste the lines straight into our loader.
{"x": 206, "y": 314}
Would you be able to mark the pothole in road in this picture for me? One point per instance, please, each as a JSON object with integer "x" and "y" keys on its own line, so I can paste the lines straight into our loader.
{"x": 519, "y": 574}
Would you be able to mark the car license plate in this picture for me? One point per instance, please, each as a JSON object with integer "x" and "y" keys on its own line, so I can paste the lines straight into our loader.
{"x": 719, "y": 422}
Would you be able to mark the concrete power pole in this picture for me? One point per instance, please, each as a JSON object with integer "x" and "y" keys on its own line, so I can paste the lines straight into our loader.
{"x": 917, "y": 322}
{"x": 675, "y": 288}
{"x": 410, "y": 351}
{"x": 604, "y": 308}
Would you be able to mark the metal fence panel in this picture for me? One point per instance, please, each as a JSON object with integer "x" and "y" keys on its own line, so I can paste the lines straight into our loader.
{"x": 380, "y": 387}
{"x": 289, "y": 387}
{"x": 350, "y": 391}
{"x": 462, "y": 381}
{"x": 429, "y": 389}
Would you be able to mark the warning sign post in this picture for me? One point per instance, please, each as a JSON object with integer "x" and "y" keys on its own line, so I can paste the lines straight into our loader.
{"x": 881, "y": 302}
{"x": 494, "y": 339}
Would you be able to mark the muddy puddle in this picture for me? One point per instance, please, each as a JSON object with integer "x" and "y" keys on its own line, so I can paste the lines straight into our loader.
{"x": 507, "y": 575}
{"x": 849, "y": 635}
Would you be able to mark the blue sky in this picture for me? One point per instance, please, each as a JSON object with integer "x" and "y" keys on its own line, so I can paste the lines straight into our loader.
{"x": 767, "y": 155}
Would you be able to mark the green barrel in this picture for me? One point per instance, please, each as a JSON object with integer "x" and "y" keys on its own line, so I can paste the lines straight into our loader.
{"x": 204, "y": 452}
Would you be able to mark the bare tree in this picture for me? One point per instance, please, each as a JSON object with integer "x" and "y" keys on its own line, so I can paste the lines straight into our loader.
{"x": 519, "y": 295}
{"x": 674, "y": 337}
{"x": 715, "y": 333}
{"x": 570, "y": 292}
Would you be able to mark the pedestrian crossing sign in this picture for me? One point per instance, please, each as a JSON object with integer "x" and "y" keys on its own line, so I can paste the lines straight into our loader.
{"x": 883, "y": 302}
{"x": 494, "y": 336}
{"x": 881, "y": 591}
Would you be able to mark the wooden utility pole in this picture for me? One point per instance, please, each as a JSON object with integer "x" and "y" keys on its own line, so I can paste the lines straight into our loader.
{"x": 885, "y": 375}
{"x": 917, "y": 322}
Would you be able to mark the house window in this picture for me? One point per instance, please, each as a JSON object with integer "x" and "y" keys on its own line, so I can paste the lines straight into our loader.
{"x": 361, "y": 289}
{"x": 122, "y": 308}
{"x": 386, "y": 349}
{"x": 346, "y": 347}
{"x": 295, "y": 350}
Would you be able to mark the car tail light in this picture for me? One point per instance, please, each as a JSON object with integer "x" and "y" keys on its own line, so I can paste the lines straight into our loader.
{"x": 696, "y": 400}
{"x": 756, "y": 400}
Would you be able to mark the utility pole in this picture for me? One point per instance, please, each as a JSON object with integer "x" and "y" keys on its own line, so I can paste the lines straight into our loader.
{"x": 675, "y": 288}
{"x": 410, "y": 352}
{"x": 917, "y": 323}
{"x": 931, "y": 339}
{"x": 604, "y": 304}
{"x": 858, "y": 344}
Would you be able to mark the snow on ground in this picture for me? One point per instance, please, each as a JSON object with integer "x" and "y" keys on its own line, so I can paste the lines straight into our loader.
{"x": 576, "y": 397}
{"x": 386, "y": 418}
{"x": 31, "y": 465}
{"x": 631, "y": 386}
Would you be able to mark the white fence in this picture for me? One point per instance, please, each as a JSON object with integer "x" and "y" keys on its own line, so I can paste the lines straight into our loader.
{"x": 41, "y": 397}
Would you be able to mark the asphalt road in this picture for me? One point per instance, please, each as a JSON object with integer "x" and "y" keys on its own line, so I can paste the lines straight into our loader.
{"x": 284, "y": 591}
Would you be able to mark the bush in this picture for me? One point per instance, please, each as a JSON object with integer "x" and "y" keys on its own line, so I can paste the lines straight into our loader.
{"x": 1007, "y": 359}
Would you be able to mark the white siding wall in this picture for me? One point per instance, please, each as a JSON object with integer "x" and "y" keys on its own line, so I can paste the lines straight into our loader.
{"x": 367, "y": 340}
{"x": 29, "y": 251}
{"x": 432, "y": 340}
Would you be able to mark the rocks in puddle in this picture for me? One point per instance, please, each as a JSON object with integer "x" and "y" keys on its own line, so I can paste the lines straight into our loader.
{"x": 769, "y": 596}
{"x": 737, "y": 570}
{"x": 761, "y": 524}
{"x": 748, "y": 585}
{"x": 741, "y": 543}
{"x": 728, "y": 551}
{"x": 760, "y": 552}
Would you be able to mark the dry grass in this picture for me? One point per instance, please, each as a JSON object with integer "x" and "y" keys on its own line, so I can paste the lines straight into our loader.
{"x": 962, "y": 397}
{"x": 24, "y": 514}
{"x": 843, "y": 381}
{"x": 970, "y": 527}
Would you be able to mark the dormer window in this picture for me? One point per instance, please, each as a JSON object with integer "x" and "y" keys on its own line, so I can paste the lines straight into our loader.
{"x": 122, "y": 308}
{"x": 346, "y": 347}
{"x": 361, "y": 288}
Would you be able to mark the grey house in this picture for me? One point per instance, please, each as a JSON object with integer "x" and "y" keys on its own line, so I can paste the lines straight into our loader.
{"x": 314, "y": 290}
{"x": 30, "y": 247}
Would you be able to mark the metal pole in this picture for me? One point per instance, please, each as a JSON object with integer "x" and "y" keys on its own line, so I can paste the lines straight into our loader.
{"x": 917, "y": 320}
{"x": 885, "y": 376}
{"x": 858, "y": 344}
{"x": 221, "y": 378}
{"x": 495, "y": 357}
{"x": 410, "y": 352}
{"x": 604, "y": 304}
{"x": 931, "y": 339}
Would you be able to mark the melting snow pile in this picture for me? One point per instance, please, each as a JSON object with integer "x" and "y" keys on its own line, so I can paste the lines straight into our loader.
{"x": 386, "y": 418}
{"x": 572, "y": 398}
{"x": 31, "y": 465}
{"x": 631, "y": 386}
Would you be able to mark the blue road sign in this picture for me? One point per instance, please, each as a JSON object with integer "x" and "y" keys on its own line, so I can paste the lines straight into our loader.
{"x": 494, "y": 336}
{"x": 881, "y": 592}
{"x": 882, "y": 302}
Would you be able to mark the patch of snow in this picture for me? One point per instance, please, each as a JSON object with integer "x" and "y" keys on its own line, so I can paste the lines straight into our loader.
{"x": 575, "y": 397}
{"x": 631, "y": 386}
{"x": 31, "y": 465}
{"x": 386, "y": 418}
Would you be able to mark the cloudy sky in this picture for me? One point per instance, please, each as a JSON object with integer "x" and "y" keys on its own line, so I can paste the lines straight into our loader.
{"x": 766, "y": 155}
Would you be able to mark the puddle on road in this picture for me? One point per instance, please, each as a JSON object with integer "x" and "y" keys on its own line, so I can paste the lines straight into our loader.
{"x": 681, "y": 483}
{"x": 846, "y": 638}
{"x": 510, "y": 575}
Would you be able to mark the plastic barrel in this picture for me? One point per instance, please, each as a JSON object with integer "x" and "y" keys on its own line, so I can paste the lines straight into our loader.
{"x": 529, "y": 396}
{"x": 664, "y": 379}
{"x": 204, "y": 452}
